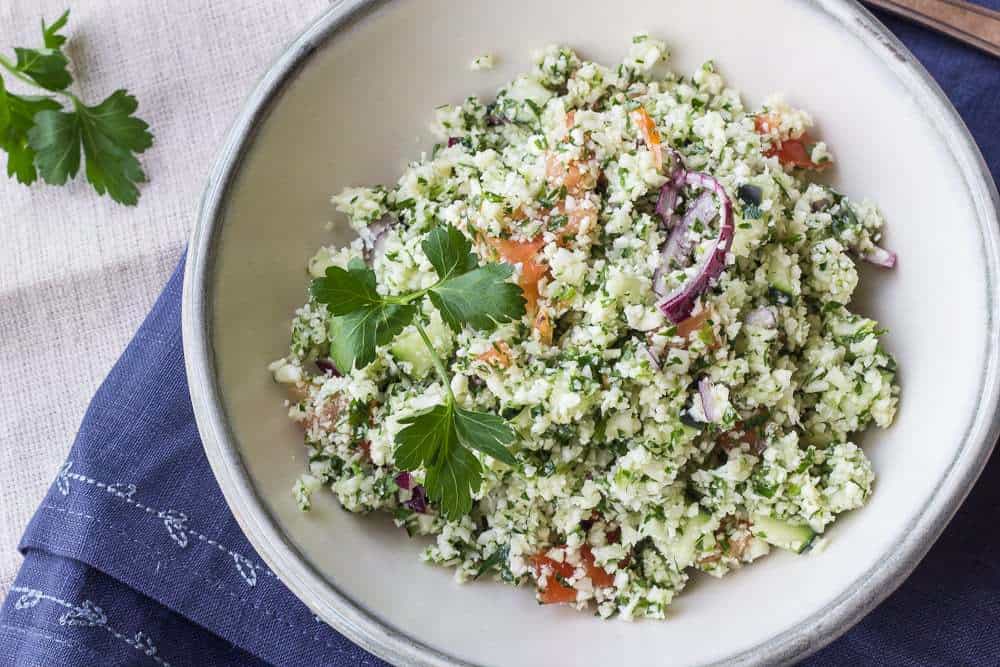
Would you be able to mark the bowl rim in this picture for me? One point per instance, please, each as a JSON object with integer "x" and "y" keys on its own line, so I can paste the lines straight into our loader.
{"x": 363, "y": 626}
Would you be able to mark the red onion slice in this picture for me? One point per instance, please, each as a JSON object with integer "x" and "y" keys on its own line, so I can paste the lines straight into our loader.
{"x": 375, "y": 237}
{"x": 666, "y": 206}
{"x": 677, "y": 244}
{"x": 653, "y": 360}
{"x": 667, "y": 201}
{"x": 677, "y": 306}
{"x": 762, "y": 317}
{"x": 418, "y": 494}
{"x": 708, "y": 403}
{"x": 418, "y": 501}
{"x": 327, "y": 366}
{"x": 880, "y": 257}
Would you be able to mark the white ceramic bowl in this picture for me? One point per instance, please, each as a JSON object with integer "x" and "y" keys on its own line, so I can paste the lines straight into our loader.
{"x": 350, "y": 102}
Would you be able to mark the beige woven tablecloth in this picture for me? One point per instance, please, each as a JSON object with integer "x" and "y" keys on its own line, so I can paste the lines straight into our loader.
{"x": 78, "y": 272}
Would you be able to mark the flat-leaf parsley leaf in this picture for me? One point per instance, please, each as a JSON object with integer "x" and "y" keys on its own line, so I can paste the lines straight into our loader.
{"x": 449, "y": 252}
{"x": 50, "y": 34}
{"x": 440, "y": 440}
{"x": 17, "y": 117}
{"x": 481, "y": 299}
{"x": 41, "y": 137}
{"x": 354, "y": 336}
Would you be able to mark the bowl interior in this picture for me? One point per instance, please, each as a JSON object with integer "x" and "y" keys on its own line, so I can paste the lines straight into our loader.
{"x": 359, "y": 109}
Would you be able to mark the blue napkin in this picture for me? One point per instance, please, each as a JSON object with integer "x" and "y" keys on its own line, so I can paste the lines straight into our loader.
{"x": 134, "y": 559}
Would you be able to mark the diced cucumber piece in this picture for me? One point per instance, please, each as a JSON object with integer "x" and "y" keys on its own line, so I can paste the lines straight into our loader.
{"x": 781, "y": 533}
{"x": 780, "y": 297}
{"x": 684, "y": 549}
{"x": 320, "y": 262}
{"x": 852, "y": 329}
{"x": 409, "y": 347}
{"x": 748, "y": 235}
{"x": 781, "y": 277}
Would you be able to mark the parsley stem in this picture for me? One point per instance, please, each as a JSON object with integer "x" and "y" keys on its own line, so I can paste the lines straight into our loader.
{"x": 407, "y": 298}
{"x": 17, "y": 74}
{"x": 404, "y": 299}
{"x": 438, "y": 364}
{"x": 12, "y": 68}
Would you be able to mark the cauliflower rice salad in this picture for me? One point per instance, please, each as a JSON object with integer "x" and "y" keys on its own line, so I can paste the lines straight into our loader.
{"x": 674, "y": 382}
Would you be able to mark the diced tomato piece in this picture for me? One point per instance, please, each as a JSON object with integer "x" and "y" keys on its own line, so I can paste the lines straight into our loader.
{"x": 583, "y": 214}
{"x": 540, "y": 561}
{"x": 765, "y": 123}
{"x": 600, "y": 577}
{"x": 791, "y": 152}
{"x": 518, "y": 252}
{"x": 543, "y": 325}
{"x": 524, "y": 253}
{"x": 569, "y": 174}
{"x": 498, "y": 355}
{"x": 559, "y": 173}
{"x": 693, "y": 323}
{"x": 649, "y": 134}
{"x": 699, "y": 324}
{"x": 556, "y": 591}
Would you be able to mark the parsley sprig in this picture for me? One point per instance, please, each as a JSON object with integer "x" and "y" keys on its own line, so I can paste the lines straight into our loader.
{"x": 41, "y": 137}
{"x": 441, "y": 439}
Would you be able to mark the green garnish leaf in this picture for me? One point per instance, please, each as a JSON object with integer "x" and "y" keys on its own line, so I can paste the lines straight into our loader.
{"x": 485, "y": 432}
{"x": 56, "y": 142}
{"x": 46, "y": 67}
{"x": 4, "y": 107}
{"x": 17, "y": 117}
{"x": 496, "y": 558}
{"x": 110, "y": 136}
{"x": 425, "y": 435}
{"x": 440, "y": 440}
{"x": 343, "y": 292}
{"x": 430, "y": 440}
{"x": 354, "y": 336}
{"x": 449, "y": 252}
{"x": 363, "y": 319}
{"x": 41, "y": 137}
{"x": 482, "y": 298}
{"x": 50, "y": 34}
{"x": 453, "y": 480}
